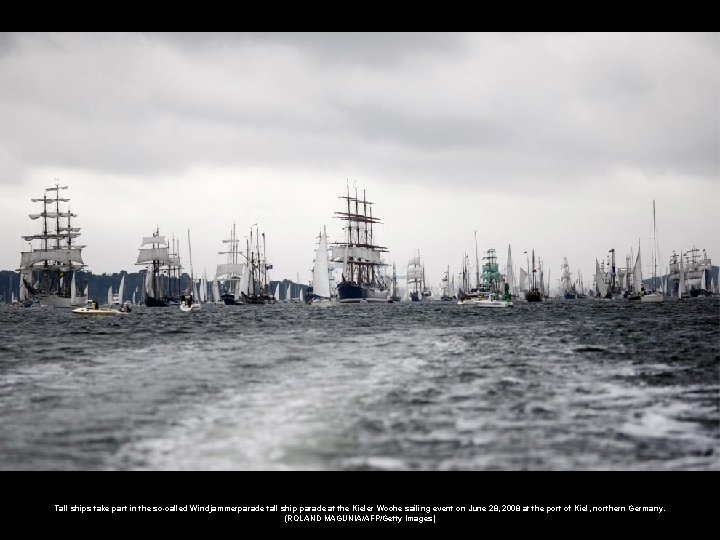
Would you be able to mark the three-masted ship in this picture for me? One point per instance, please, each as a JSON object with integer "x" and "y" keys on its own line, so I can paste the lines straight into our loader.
{"x": 48, "y": 269}
{"x": 534, "y": 294}
{"x": 254, "y": 285}
{"x": 158, "y": 260}
{"x": 362, "y": 278}
{"x": 417, "y": 287}
{"x": 230, "y": 273}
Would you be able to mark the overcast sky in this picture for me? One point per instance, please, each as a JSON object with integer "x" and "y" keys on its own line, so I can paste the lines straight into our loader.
{"x": 552, "y": 142}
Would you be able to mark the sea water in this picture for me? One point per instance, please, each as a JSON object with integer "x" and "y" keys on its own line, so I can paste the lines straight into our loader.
{"x": 560, "y": 385}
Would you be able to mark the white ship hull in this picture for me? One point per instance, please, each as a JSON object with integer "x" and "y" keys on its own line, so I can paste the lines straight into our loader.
{"x": 53, "y": 300}
{"x": 653, "y": 297}
{"x": 486, "y": 303}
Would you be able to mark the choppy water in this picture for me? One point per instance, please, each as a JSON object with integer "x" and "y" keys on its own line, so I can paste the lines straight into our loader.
{"x": 560, "y": 385}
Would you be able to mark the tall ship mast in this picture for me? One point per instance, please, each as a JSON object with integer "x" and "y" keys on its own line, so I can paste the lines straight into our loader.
{"x": 491, "y": 276}
{"x": 533, "y": 293}
{"x": 569, "y": 291}
{"x": 361, "y": 279}
{"x": 447, "y": 289}
{"x": 47, "y": 270}
{"x": 254, "y": 286}
{"x": 416, "y": 278}
{"x": 230, "y": 273}
{"x": 156, "y": 258}
{"x": 655, "y": 294}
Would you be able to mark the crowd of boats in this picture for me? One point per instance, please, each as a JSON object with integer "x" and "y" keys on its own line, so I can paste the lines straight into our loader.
{"x": 49, "y": 269}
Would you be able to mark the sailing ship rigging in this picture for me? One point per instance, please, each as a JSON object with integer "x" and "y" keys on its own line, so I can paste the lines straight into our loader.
{"x": 48, "y": 270}
{"x": 416, "y": 279}
{"x": 361, "y": 279}
{"x": 569, "y": 291}
{"x": 254, "y": 285}
{"x": 533, "y": 294}
{"x": 156, "y": 258}
{"x": 229, "y": 275}
{"x": 654, "y": 294}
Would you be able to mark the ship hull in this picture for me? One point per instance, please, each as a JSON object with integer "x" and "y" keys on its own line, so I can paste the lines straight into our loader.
{"x": 229, "y": 300}
{"x": 652, "y": 297}
{"x": 352, "y": 293}
{"x": 533, "y": 296}
{"x": 155, "y": 302}
{"x": 349, "y": 293}
{"x": 53, "y": 300}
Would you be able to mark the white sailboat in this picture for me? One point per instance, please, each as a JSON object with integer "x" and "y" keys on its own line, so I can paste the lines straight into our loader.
{"x": 600, "y": 284}
{"x": 216, "y": 292}
{"x": 276, "y": 295}
{"x": 190, "y": 301}
{"x": 320, "y": 290}
{"x": 229, "y": 275}
{"x": 654, "y": 295}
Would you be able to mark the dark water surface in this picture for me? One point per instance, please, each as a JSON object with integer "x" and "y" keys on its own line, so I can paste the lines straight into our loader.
{"x": 555, "y": 386}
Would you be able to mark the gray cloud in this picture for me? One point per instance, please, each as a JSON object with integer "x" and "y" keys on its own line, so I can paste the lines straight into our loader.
{"x": 505, "y": 115}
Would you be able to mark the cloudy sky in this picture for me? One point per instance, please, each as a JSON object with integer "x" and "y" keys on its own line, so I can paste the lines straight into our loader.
{"x": 552, "y": 142}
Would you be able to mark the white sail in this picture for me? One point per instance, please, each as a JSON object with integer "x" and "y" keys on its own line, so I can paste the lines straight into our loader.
{"x": 681, "y": 284}
{"x": 244, "y": 286}
{"x": 321, "y": 278}
{"x": 288, "y": 298}
{"x": 149, "y": 285}
{"x": 147, "y": 255}
{"x": 523, "y": 280}
{"x": 276, "y": 295}
{"x": 73, "y": 290}
{"x": 133, "y": 300}
{"x": 121, "y": 290}
{"x": 354, "y": 253}
{"x": 226, "y": 270}
{"x": 216, "y": 290}
{"x": 510, "y": 273}
{"x": 153, "y": 240}
{"x": 196, "y": 295}
{"x": 600, "y": 280}
{"x": 302, "y": 295}
{"x": 637, "y": 274}
{"x": 62, "y": 256}
{"x": 23, "y": 289}
{"x": 109, "y": 296}
{"x": 203, "y": 290}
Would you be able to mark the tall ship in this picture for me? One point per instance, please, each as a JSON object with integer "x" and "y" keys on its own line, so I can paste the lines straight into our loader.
{"x": 533, "y": 292}
{"x": 158, "y": 261}
{"x": 447, "y": 286}
{"x": 254, "y": 285}
{"x": 492, "y": 290}
{"x": 362, "y": 278}
{"x": 692, "y": 271}
{"x": 48, "y": 270}
{"x": 416, "y": 284}
{"x": 229, "y": 274}
{"x": 569, "y": 291}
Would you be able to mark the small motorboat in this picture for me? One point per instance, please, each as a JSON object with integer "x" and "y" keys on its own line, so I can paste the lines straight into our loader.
{"x": 91, "y": 308}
